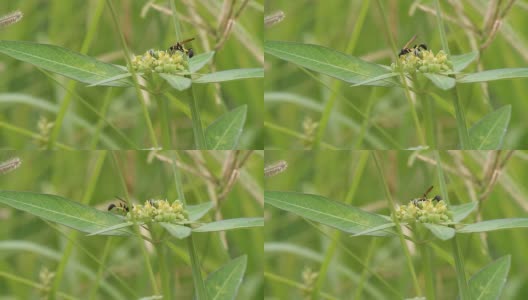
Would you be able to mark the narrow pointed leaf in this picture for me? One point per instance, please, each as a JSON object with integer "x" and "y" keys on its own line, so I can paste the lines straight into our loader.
{"x": 376, "y": 229}
{"x": 230, "y": 75}
{"x": 329, "y": 62}
{"x": 460, "y": 62}
{"x": 487, "y": 284}
{"x": 230, "y": 224}
{"x": 440, "y": 231}
{"x": 199, "y": 210}
{"x": 178, "y": 82}
{"x": 225, "y": 131}
{"x": 327, "y": 212}
{"x": 111, "y": 79}
{"x": 63, "y": 211}
{"x": 177, "y": 231}
{"x": 489, "y": 132}
{"x": 460, "y": 212}
{"x": 496, "y": 74}
{"x": 492, "y": 225}
{"x": 63, "y": 61}
{"x": 377, "y": 78}
{"x": 198, "y": 61}
{"x": 111, "y": 228}
{"x": 223, "y": 284}
{"x": 441, "y": 81}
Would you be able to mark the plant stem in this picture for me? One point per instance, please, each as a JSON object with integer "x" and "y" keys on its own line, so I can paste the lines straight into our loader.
{"x": 163, "y": 111}
{"x": 323, "y": 270}
{"x": 199, "y": 285}
{"x": 460, "y": 271}
{"x": 427, "y": 270}
{"x": 199, "y": 136}
{"x": 100, "y": 122}
{"x": 406, "y": 251}
{"x": 142, "y": 102}
{"x": 461, "y": 122}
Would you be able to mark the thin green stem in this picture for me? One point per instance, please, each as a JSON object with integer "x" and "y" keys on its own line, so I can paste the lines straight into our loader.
{"x": 323, "y": 270}
{"x": 412, "y": 107}
{"x": 35, "y": 136}
{"x": 65, "y": 103}
{"x": 101, "y": 269}
{"x": 463, "y": 133}
{"x": 366, "y": 121}
{"x": 460, "y": 271}
{"x": 429, "y": 121}
{"x": 290, "y": 132}
{"x": 142, "y": 246}
{"x": 199, "y": 136}
{"x": 401, "y": 237}
{"x": 427, "y": 270}
{"x": 352, "y": 42}
{"x": 164, "y": 271}
{"x": 139, "y": 94}
{"x": 272, "y": 277}
{"x": 365, "y": 272}
{"x": 101, "y": 121}
{"x": 199, "y": 285}
{"x": 163, "y": 112}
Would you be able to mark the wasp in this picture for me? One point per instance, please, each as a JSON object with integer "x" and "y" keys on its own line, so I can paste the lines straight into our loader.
{"x": 424, "y": 197}
{"x": 179, "y": 47}
{"x": 416, "y": 48}
{"x": 121, "y": 207}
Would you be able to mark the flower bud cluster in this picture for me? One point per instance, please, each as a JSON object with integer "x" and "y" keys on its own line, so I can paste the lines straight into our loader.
{"x": 424, "y": 211}
{"x": 158, "y": 211}
{"x": 158, "y": 61}
{"x": 423, "y": 61}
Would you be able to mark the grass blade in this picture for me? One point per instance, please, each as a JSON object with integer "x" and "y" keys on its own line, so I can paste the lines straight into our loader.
{"x": 494, "y": 75}
{"x": 497, "y": 224}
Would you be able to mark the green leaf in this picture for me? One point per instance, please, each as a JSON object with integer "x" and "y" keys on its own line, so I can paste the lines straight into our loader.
{"x": 497, "y": 224}
{"x": 223, "y": 284}
{"x": 64, "y": 61}
{"x": 327, "y": 212}
{"x": 198, "y": 61}
{"x": 329, "y": 62}
{"x": 440, "y": 231}
{"x": 441, "y": 81}
{"x": 460, "y": 62}
{"x": 230, "y": 75}
{"x": 489, "y": 132}
{"x": 178, "y": 82}
{"x": 488, "y": 283}
{"x": 177, "y": 231}
{"x": 225, "y": 132}
{"x": 199, "y": 210}
{"x": 230, "y": 224}
{"x": 111, "y": 228}
{"x": 376, "y": 229}
{"x": 460, "y": 212}
{"x": 496, "y": 74}
{"x": 115, "y": 78}
{"x": 377, "y": 78}
{"x": 63, "y": 211}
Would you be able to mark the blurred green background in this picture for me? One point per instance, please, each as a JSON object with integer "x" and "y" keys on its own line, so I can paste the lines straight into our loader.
{"x": 26, "y": 240}
{"x": 293, "y": 244}
{"x": 292, "y": 97}
{"x": 24, "y": 90}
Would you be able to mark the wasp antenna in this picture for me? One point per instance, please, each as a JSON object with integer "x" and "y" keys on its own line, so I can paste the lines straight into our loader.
{"x": 427, "y": 192}
{"x": 410, "y": 41}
